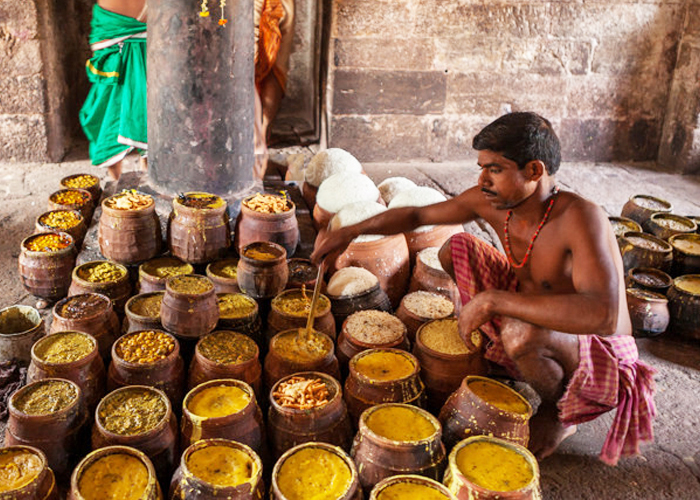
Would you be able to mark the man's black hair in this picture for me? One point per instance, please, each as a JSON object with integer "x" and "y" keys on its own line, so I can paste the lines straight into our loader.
{"x": 521, "y": 137}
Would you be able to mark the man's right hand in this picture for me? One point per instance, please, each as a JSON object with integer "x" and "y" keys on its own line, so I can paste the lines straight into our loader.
{"x": 329, "y": 245}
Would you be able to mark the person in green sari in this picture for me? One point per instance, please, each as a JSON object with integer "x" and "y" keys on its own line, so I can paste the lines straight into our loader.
{"x": 113, "y": 116}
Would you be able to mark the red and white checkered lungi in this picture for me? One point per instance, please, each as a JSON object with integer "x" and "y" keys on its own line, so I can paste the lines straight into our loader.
{"x": 610, "y": 374}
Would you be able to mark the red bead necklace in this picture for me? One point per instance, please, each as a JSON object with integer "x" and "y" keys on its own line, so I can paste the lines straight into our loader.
{"x": 509, "y": 252}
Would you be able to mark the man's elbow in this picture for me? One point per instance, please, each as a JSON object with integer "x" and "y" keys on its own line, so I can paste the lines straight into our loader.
{"x": 608, "y": 323}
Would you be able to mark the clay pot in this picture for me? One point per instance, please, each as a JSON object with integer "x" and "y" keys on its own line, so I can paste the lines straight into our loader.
{"x": 696, "y": 219}
{"x": 308, "y": 192}
{"x": 279, "y": 319}
{"x": 434, "y": 280}
{"x": 47, "y": 274}
{"x": 684, "y": 306}
{"x": 88, "y": 312}
{"x": 248, "y": 323}
{"x": 378, "y": 457}
{"x": 189, "y": 314}
{"x": 384, "y": 487}
{"x": 302, "y": 273}
{"x": 663, "y": 225}
{"x": 167, "y": 374}
{"x": 56, "y": 433}
{"x": 467, "y": 413}
{"x": 648, "y": 278}
{"x": 135, "y": 319}
{"x": 623, "y": 225}
{"x": 77, "y": 231}
{"x": 158, "y": 443}
{"x": 280, "y": 361}
{"x": 686, "y": 254}
{"x": 645, "y": 250}
{"x": 88, "y": 182}
{"x": 129, "y": 236}
{"x": 353, "y": 491}
{"x": 186, "y": 484}
{"x": 203, "y": 369}
{"x": 648, "y": 312}
{"x": 154, "y": 273}
{"x": 87, "y": 371}
{"x": 117, "y": 289}
{"x": 262, "y": 278}
{"x": 281, "y": 228}
{"x": 363, "y": 391}
{"x": 20, "y": 327}
{"x": 345, "y": 305}
{"x": 387, "y": 258}
{"x": 245, "y": 426}
{"x": 464, "y": 489}
{"x": 198, "y": 235}
{"x": 329, "y": 423}
{"x": 434, "y": 236}
{"x": 413, "y": 321}
{"x": 85, "y": 205}
{"x": 641, "y": 207}
{"x": 151, "y": 488}
{"x": 224, "y": 282}
{"x": 42, "y": 486}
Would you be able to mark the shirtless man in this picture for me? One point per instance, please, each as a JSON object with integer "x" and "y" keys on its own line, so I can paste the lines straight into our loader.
{"x": 554, "y": 307}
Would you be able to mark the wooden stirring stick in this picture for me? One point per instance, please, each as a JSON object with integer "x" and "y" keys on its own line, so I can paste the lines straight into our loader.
{"x": 314, "y": 300}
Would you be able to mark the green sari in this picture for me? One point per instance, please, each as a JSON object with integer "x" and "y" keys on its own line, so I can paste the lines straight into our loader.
{"x": 114, "y": 114}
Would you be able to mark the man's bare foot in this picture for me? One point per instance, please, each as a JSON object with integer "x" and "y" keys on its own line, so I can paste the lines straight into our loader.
{"x": 547, "y": 433}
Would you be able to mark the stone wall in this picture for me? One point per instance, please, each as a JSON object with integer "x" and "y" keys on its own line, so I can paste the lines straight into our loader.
{"x": 418, "y": 78}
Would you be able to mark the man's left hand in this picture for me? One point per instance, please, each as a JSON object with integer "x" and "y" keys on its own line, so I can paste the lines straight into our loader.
{"x": 475, "y": 313}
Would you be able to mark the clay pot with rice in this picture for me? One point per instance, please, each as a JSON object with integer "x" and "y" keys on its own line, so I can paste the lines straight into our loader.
{"x": 645, "y": 250}
{"x": 222, "y": 409}
{"x": 623, "y": 225}
{"x": 267, "y": 217}
{"x": 397, "y": 439}
{"x": 641, "y": 207}
{"x": 302, "y": 273}
{"x": 354, "y": 289}
{"x": 488, "y": 468}
{"x": 26, "y": 474}
{"x": 129, "y": 228}
{"x": 140, "y": 417}
{"x": 382, "y": 376}
{"x": 417, "y": 308}
{"x": 684, "y": 306}
{"x": 370, "y": 330}
{"x": 239, "y": 312}
{"x": 649, "y": 278}
{"x": 297, "y": 350}
{"x": 48, "y": 414}
{"x": 88, "y": 182}
{"x": 224, "y": 274}
{"x": 72, "y": 356}
{"x": 307, "y": 407}
{"x": 104, "y": 277}
{"x": 45, "y": 263}
{"x": 410, "y": 486}
{"x": 664, "y": 225}
{"x": 65, "y": 221}
{"x": 73, "y": 199}
{"x": 189, "y": 308}
{"x": 696, "y": 219}
{"x": 428, "y": 275}
{"x": 262, "y": 270}
{"x": 482, "y": 406}
{"x": 215, "y": 469}
{"x": 315, "y": 470}
{"x": 20, "y": 327}
{"x": 445, "y": 359}
{"x": 226, "y": 354}
{"x": 429, "y": 236}
{"x": 115, "y": 472}
{"x": 148, "y": 357}
{"x": 290, "y": 309}
{"x": 154, "y": 273}
{"x": 648, "y": 312}
{"x": 88, "y": 312}
{"x": 142, "y": 312}
{"x": 198, "y": 228}
{"x": 686, "y": 254}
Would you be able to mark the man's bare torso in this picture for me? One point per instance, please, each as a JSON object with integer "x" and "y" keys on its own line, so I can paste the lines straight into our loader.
{"x": 130, "y": 8}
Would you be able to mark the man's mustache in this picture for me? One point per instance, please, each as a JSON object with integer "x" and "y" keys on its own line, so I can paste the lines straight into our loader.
{"x": 487, "y": 191}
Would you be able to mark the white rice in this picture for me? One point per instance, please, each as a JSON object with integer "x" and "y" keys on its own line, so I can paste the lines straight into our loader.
{"x": 429, "y": 257}
{"x": 329, "y": 162}
{"x": 420, "y": 196}
{"x": 394, "y": 185}
{"x": 428, "y": 305}
{"x": 358, "y": 212}
{"x": 344, "y": 188}
{"x": 374, "y": 327}
{"x": 350, "y": 281}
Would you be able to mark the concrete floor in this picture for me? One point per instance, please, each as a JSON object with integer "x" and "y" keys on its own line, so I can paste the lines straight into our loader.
{"x": 668, "y": 468}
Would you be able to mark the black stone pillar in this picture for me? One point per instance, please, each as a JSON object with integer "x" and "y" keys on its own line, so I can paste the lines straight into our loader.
{"x": 200, "y": 97}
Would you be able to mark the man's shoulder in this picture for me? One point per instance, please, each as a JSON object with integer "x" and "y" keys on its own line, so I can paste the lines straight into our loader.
{"x": 576, "y": 206}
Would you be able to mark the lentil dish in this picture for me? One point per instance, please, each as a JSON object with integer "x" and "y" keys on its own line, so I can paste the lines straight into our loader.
{"x": 410, "y": 491}
{"x": 60, "y": 219}
{"x": 148, "y": 305}
{"x": 226, "y": 347}
{"x": 190, "y": 284}
{"x": 235, "y": 305}
{"x": 314, "y": 473}
{"x": 216, "y": 401}
{"x": 384, "y": 365}
{"x": 18, "y": 468}
{"x": 165, "y": 267}
{"x": 298, "y": 303}
{"x": 45, "y": 397}
{"x": 222, "y": 466}
{"x": 49, "y": 242}
{"x": 500, "y": 396}
{"x": 299, "y": 347}
{"x": 131, "y": 411}
{"x": 494, "y": 466}
{"x": 226, "y": 268}
{"x": 148, "y": 346}
{"x": 400, "y": 423}
{"x": 100, "y": 272}
{"x": 64, "y": 347}
{"x": 117, "y": 476}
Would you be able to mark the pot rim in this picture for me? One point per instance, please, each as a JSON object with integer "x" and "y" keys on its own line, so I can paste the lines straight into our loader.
{"x": 63, "y": 251}
{"x": 151, "y": 277}
{"x": 169, "y": 358}
{"x": 422, "y": 318}
{"x": 279, "y": 250}
{"x": 363, "y": 428}
{"x": 364, "y": 378}
{"x": 177, "y": 204}
{"x": 198, "y": 352}
{"x": 292, "y": 291}
{"x": 246, "y": 211}
{"x": 445, "y": 355}
{"x": 682, "y": 278}
{"x": 63, "y": 412}
{"x": 210, "y": 271}
{"x": 129, "y": 212}
{"x": 646, "y": 295}
{"x": 28, "y": 309}
{"x": 516, "y": 416}
{"x": 86, "y": 202}
{"x": 410, "y": 478}
{"x": 134, "y": 298}
{"x": 651, "y": 197}
{"x": 244, "y": 386}
{"x": 107, "y": 300}
{"x": 666, "y": 246}
{"x": 69, "y": 177}
{"x": 45, "y": 228}
{"x": 67, "y": 364}
{"x": 169, "y": 289}
{"x": 94, "y": 284}
{"x": 26, "y": 489}
{"x": 685, "y": 236}
{"x": 668, "y": 281}
{"x": 163, "y": 423}
{"x": 328, "y": 380}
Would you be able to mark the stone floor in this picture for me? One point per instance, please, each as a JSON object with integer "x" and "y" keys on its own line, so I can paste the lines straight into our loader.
{"x": 667, "y": 468}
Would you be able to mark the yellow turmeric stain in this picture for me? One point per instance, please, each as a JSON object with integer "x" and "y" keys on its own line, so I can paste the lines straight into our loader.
{"x": 498, "y": 395}
{"x": 494, "y": 466}
{"x": 384, "y": 365}
{"x": 18, "y": 468}
{"x": 118, "y": 476}
{"x": 314, "y": 474}
{"x": 400, "y": 423}
{"x": 218, "y": 401}
{"x": 222, "y": 466}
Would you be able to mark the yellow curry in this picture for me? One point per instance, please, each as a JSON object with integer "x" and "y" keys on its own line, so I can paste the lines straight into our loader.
{"x": 494, "y": 466}
{"x": 410, "y": 491}
{"x": 400, "y": 423}
{"x": 384, "y": 365}
{"x": 500, "y": 396}
{"x": 118, "y": 476}
{"x": 222, "y": 466}
{"x": 18, "y": 468}
{"x": 218, "y": 401}
{"x": 314, "y": 474}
